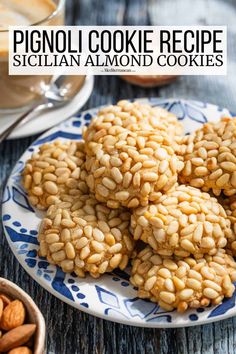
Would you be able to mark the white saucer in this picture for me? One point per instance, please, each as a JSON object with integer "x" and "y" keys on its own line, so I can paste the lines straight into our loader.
{"x": 48, "y": 119}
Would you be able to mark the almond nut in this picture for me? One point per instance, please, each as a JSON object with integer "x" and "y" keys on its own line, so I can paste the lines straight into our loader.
{"x": 1, "y": 308}
{"x": 16, "y": 337}
{"x": 20, "y": 350}
{"x": 13, "y": 315}
{"x": 6, "y": 299}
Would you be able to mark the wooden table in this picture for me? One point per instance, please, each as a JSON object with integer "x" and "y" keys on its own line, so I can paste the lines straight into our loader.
{"x": 69, "y": 330}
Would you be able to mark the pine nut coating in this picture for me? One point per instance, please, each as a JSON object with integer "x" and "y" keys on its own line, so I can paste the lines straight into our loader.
{"x": 229, "y": 205}
{"x": 209, "y": 157}
{"x": 185, "y": 283}
{"x": 130, "y": 156}
{"x": 53, "y": 172}
{"x": 82, "y": 245}
{"x": 184, "y": 221}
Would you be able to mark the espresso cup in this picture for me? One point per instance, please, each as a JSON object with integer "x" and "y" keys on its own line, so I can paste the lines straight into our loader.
{"x": 16, "y": 92}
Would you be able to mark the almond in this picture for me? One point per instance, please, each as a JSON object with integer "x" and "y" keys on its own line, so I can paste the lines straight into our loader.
{"x": 13, "y": 315}
{"x": 16, "y": 337}
{"x": 6, "y": 299}
{"x": 1, "y": 308}
{"x": 20, "y": 350}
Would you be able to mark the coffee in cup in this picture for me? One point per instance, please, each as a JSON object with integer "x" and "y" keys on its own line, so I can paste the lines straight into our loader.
{"x": 19, "y": 91}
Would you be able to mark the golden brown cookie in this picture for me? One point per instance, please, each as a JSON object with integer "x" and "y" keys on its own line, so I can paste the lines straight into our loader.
{"x": 184, "y": 221}
{"x": 87, "y": 237}
{"x": 183, "y": 283}
{"x": 55, "y": 171}
{"x": 130, "y": 158}
{"x": 210, "y": 157}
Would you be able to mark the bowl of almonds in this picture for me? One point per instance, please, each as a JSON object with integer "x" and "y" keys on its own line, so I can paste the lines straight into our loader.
{"x": 22, "y": 326}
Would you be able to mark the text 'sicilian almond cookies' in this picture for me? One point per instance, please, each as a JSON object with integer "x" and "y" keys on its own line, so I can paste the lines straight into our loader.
{"x": 183, "y": 283}
{"x": 182, "y": 222}
{"x": 130, "y": 157}
{"x": 88, "y": 237}
{"x": 55, "y": 171}
{"x": 210, "y": 157}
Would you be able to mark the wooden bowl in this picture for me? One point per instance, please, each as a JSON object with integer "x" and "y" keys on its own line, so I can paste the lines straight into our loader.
{"x": 33, "y": 313}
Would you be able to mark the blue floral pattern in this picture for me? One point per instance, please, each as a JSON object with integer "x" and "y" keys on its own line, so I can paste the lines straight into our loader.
{"x": 111, "y": 296}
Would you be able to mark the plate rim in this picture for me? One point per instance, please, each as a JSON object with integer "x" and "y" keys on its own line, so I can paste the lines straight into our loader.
{"x": 130, "y": 322}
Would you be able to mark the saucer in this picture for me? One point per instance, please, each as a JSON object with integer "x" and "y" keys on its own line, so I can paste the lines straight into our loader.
{"x": 48, "y": 119}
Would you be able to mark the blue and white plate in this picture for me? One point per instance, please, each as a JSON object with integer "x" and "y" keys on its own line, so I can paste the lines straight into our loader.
{"x": 111, "y": 297}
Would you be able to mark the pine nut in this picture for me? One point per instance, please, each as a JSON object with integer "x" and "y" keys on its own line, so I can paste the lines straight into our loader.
{"x": 167, "y": 297}
{"x": 210, "y": 293}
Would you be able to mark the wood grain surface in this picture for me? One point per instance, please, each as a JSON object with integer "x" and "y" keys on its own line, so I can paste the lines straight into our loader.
{"x": 70, "y": 331}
